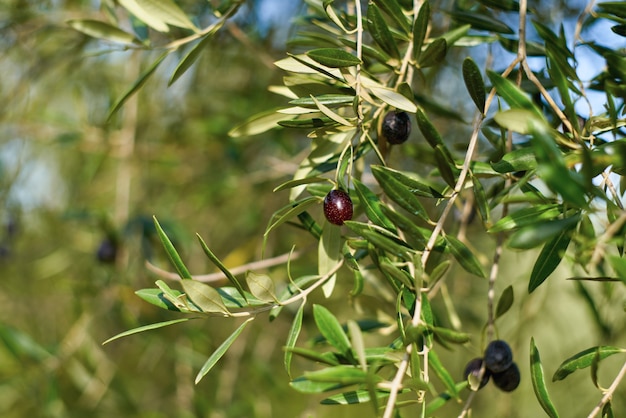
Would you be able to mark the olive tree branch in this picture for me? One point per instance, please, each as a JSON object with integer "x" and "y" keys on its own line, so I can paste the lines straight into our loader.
{"x": 609, "y": 392}
{"x": 219, "y": 276}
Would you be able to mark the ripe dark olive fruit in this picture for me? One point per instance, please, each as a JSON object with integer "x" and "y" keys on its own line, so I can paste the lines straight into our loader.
{"x": 338, "y": 207}
{"x": 498, "y": 356}
{"x": 396, "y": 127}
{"x": 107, "y": 251}
{"x": 507, "y": 380}
{"x": 473, "y": 368}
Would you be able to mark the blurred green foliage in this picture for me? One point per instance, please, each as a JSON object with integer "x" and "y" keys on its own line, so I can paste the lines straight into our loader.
{"x": 70, "y": 179}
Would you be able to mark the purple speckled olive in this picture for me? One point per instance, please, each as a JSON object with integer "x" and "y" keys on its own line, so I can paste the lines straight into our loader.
{"x": 338, "y": 207}
{"x": 396, "y": 127}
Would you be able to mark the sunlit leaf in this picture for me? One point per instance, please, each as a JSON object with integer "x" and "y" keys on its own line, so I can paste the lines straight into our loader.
{"x": 342, "y": 374}
{"x": 527, "y": 216}
{"x": 521, "y": 159}
{"x": 145, "y": 328}
{"x": 204, "y": 296}
{"x": 218, "y": 263}
{"x": 329, "y": 254}
{"x": 221, "y": 350}
{"x": 538, "y": 381}
{"x": 141, "y": 80}
{"x": 393, "y": 98}
{"x": 258, "y": 123}
{"x": 534, "y": 235}
{"x": 512, "y": 94}
{"x": 171, "y": 251}
{"x": 102, "y": 30}
{"x": 553, "y": 170}
{"x": 261, "y": 286}
{"x": 156, "y": 298}
{"x": 292, "y": 337}
{"x": 331, "y": 329}
{"x": 191, "y": 57}
{"x": 584, "y": 359}
{"x": 168, "y": 11}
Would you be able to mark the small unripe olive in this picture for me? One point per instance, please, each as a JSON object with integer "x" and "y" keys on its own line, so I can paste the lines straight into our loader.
{"x": 396, "y": 127}
{"x": 473, "y": 368}
{"x": 338, "y": 207}
{"x": 498, "y": 356}
{"x": 507, "y": 380}
{"x": 107, "y": 251}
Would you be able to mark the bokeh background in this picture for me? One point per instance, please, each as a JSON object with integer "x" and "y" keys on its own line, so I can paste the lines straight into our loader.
{"x": 73, "y": 186}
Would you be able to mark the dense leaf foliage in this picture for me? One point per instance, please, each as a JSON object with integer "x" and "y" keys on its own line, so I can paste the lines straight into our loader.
{"x": 535, "y": 165}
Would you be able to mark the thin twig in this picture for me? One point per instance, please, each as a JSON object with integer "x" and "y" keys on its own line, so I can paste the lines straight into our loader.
{"x": 609, "y": 392}
{"x": 219, "y": 276}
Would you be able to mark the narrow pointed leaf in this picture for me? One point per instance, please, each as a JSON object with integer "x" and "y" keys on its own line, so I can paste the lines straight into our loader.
{"x": 442, "y": 373}
{"x": 474, "y": 83}
{"x": 136, "y": 85}
{"x": 297, "y": 208}
{"x": 549, "y": 258}
{"x": 537, "y": 234}
{"x": 505, "y": 302}
{"x": 380, "y": 31}
{"x": 434, "y": 54}
{"x": 538, "y": 381}
{"x": 292, "y": 337}
{"x": 171, "y": 251}
{"x": 517, "y": 160}
{"x": 333, "y": 57}
{"x": 331, "y": 329}
{"x": 527, "y": 216}
{"x": 145, "y": 328}
{"x": 341, "y": 374}
{"x": 394, "y": 11}
{"x": 483, "y": 21}
{"x": 393, "y": 98}
{"x": 584, "y": 359}
{"x": 221, "y": 350}
{"x": 102, "y": 30}
{"x": 428, "y": 129}
{"x": 258, "y": 124}
{"x": 191, "y": 57}
{"x": 167, "y": 11}
{"x": 213, "y": 258}
{"x": 372, "y": 205}
{"x": 512, "y": 94}
{"x": 155, "y": 21}
{"x": 156, "y": 298}
{"x": 464, "y": 256}
{"x": 329, "y": 254}
{"x": 443, "y": 398}
{"x": 399, "y": 192}
{"x": 420, "y": 27}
